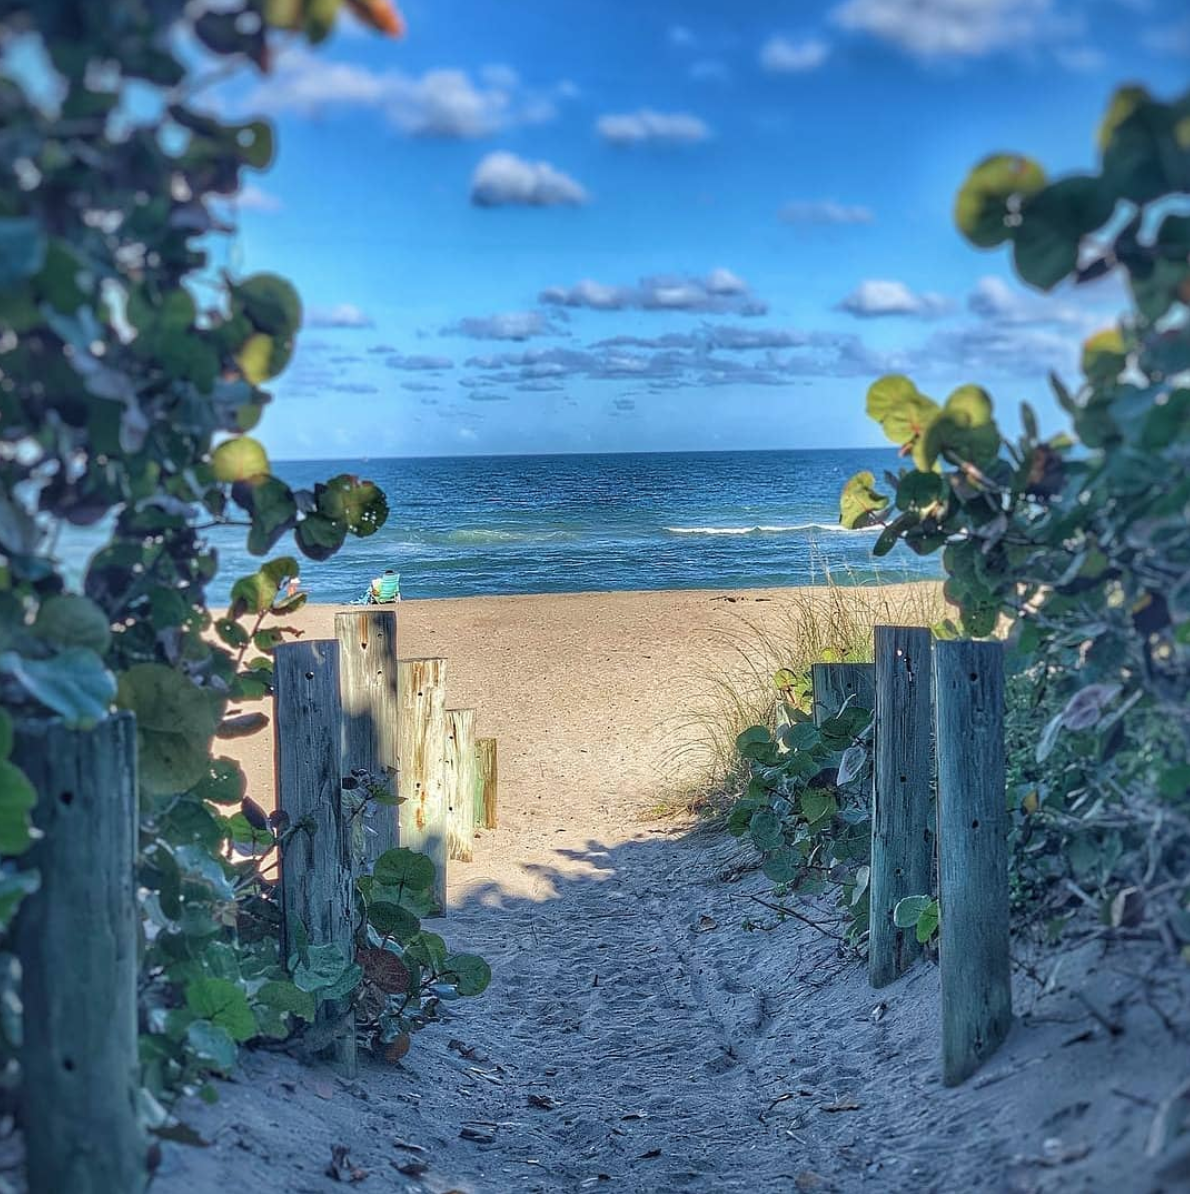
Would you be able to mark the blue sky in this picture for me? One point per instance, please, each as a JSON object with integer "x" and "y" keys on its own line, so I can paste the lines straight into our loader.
{"x": 561, "y": 225}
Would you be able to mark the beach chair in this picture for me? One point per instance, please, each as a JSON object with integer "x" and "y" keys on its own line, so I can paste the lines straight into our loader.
{"x": 388, "y": 590}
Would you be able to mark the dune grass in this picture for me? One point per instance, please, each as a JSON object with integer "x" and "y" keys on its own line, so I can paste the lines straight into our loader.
{"x": 833, "y": 620}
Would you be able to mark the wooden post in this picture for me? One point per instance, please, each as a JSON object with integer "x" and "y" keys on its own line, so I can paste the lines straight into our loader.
{"x": 460, "y": 783}
{"x": 902, "y": 802}
{"x": 316, "y": 869}
{"x": 972, "y": 854}
{"x": 368, "y": 691}
{"x": 835, "y": 682}
{"x": 486, "y": 776}
{"x": 76, "y": 938}
{"x": 421, "y": 718}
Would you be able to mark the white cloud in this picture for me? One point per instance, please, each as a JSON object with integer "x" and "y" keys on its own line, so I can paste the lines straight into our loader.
{"x": 719, "y": 291}
{"x": 344, "y": 315}
{"x": 647, "y": 126}
{"x": 875, "y": 298}
{"x": 681, "y": 36}
{"x": 509, "y": 325}
{"x": 946, "y": 28}
{"x": 439, "y": 103}
{"x": 825, "y": 211}
{"x": 503, "y": 179}
{"x": 253, "y": 198}
{"x": 784, "y": 56}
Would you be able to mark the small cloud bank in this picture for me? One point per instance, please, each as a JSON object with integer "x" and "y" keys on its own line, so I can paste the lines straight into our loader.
{"x": 720, "y": 291}
{"x": 648, "y": 127}
{"x": 510, "y": 325}
{"x": 877, "y": 298}
{"x": 785, "y": 56}
{"x": 825, "y": 211}
{"x": 503, "y": 179}
{"x": 344, "y": 315}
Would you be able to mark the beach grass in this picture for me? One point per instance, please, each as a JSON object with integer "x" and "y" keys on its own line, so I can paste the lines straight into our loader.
{"x": 832, "y": 621}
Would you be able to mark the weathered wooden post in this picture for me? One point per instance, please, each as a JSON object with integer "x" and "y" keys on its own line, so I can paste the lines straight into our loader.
{"x": 972, "y": 854}
{"x": 903, "y": 823}
{"x": 316, "y": 868}
{"x": 368, "y": 693}
{"x": 486, "y": 776}
{"x": 835, "y": 682}
{"x": 421, "y": 718}
{"x": 460, "y": 783}
{"x": 76, "y": 938}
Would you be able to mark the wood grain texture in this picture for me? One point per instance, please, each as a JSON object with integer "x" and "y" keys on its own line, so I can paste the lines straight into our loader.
{"x": 835, "y": 682}
{"x": 368, "y": 692}
{"x": 903, "y": 821}
{"x": 76, "y": 938}
{"x": 316, "y": 866}
{"x": 972, "y": 855}
{"x": 487, "y": 776}
{"x": 421, "y": 685}
{"x": 460, "y": 783}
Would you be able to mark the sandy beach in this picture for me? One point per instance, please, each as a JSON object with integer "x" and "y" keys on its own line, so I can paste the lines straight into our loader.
{"x": 635, "y": 1036}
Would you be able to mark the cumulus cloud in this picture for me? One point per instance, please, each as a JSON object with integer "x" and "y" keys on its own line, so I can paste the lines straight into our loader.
{"x": 254, "y": 198}
{"x": 785, "y": 56}
{"x": 344, "y": 315}
{"x": 647, "y": 126}
{"x": 509, "y": 325}
{"x": 825, "y": 211}
{"x": 875, "y": 298}
{"x": 717, "y": 292}
{"x": 935, "y": 29}
{"x": 503, "y": 179}
{"x": 441, "y": 103}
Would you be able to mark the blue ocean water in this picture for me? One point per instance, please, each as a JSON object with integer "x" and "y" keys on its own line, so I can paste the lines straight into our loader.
{"x": 465, "y": 526}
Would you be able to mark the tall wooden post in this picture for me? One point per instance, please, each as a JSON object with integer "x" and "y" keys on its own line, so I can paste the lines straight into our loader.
{"x": 903, "y": 823}
{"x": 421, "y": 718}
{"x": 972, "y": 854}
{"x": 835, "y": 682}
{"x": 76, "y": 938}
{"x": 316, "y": 868}
{"x": 486, "y": 777}
{"x": 460, "y": 783}
{"x": 368, "y": 691}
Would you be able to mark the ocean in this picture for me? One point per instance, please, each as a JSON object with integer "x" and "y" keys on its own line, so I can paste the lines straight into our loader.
{"x": 467, "y": 526}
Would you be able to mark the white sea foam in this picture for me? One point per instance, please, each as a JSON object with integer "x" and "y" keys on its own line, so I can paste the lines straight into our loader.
{"x": 760, "y": 530}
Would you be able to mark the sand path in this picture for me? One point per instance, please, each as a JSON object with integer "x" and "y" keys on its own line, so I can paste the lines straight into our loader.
{"x": 635, "y": 1037}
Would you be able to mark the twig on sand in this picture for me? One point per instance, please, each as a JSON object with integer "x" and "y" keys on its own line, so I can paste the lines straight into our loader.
{"x": 786, "y": 911}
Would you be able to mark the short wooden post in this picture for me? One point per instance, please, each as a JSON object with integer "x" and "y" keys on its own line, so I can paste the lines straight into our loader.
{"x": 76, "y": 938}
{"x": 316, "y": 868}
{"x": 460, "y": 783}
{"x": 902, "y": 802}
{"x": 368, "y": 692}
{"x": 486, "y": 776}
{"x": 835, "y": 682}
{"x": 421, "y": 718}
{"x": 972, "y": 854}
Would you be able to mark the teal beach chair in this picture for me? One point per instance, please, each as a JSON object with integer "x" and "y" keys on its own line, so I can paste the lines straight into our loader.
{"x": 384, "y": 589}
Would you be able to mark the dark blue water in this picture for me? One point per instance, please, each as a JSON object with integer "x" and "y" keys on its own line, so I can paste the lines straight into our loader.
{"x": 549, "y": 524}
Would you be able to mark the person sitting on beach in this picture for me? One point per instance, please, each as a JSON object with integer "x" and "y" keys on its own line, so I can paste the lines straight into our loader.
{"x": 384, "y": 589}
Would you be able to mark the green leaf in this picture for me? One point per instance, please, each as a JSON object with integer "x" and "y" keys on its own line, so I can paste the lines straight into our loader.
{"x": 259, "y": 591}
{"x": 817, "y": 805}
{"x": 765, "y": 830}
{"x": 1053, "y": 224}
{"x": 22, "y": 249}
{"x": 17, "y": 800}
{"x": 320, "y": 537}
{"x": 402, "y": 867}
{"x": 239, "y": 459}
{"x": 361, "y": 505}
{"x": 223, "y": 783}
{"x": 213, "y": 1045}
{"x": 224, "y": 1004}
{"x": 918, "y": 490}
{"x": 74, "y": 684}
{"x": 469, "y": 972}
{"x": 992, "y": 193}
{"x": 284, "y": 996}
{"x": 908, "y": 911}
{"x": 900, "y": 408}
{"x": 392, "y": 920}
{"x": 964, "y": 429}
{"x": 5, "y": 734}
{"x": 860, "y": 503}
{"x": 175, "y": 722}
{"x": 68, "y": 620}
{"x": 927, "y": 922}
{"x": 784, "y": 866}
{"x": 271, "y": 303}
{"x": 323, "y": 970}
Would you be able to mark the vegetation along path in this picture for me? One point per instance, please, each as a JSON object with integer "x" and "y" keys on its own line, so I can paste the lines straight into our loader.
{"x": 636, "y": 1036}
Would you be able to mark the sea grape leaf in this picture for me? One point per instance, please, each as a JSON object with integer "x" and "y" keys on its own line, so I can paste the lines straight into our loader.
{"x": 223, "y": 1003}
{"x": 469, "y": 973}
{"x": 991, "y": 193}
{"x": 69, "y": 620}
{"x": 74, "y": 684}
{"x": 860, "y": 504}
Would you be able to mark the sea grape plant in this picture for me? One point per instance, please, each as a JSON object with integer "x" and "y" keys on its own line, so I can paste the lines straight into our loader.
{"x": 132, "y": 371}
{"x": 806, "y": 807}
{"x": 1080, "y": 541}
